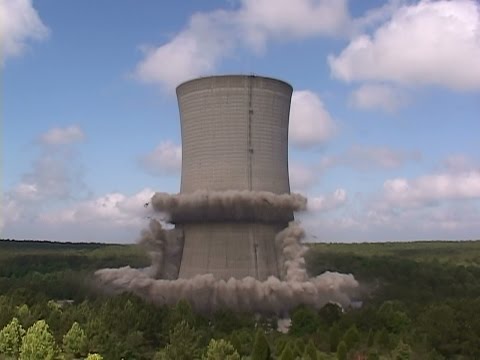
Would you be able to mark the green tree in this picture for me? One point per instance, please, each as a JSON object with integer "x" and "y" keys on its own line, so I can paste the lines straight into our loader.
{"x": 334, "y": 337}
{"x": 383, "y": 339}
{"x": 393, "y": 318}
{"x": 310, "y": 352}
{"x": 181, "y": 312}
{"x": 11, "y": 338}
{"x": 242, "y": 340}
{"x": 351, "y": 337}
{"x": 221, "y": 350}
{"x": 23, "y": 313}
{"x": 183, "y": 345}
{"x": 298, "y": 347}
{"x": 330, "y": 314}
{"x": 94, "y": 357}
{"x": 38, "y": 343}
{"x": 402, "y": 351}
{"x": 75, "y": 341}
{"x": 373, "y": 355}
{"x": 261, "y": 349}
{"x": 342, "y": 351}
{"x": 371, "y": 338}
{"x": 287, "y": 353}
{"x": 305, "y": 321}
{"x": 280, "y": 344}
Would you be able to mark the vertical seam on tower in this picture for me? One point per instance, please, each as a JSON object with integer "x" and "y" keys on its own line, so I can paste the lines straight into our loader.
{"x": 249, "y": 139}
{"x": 250, "y": 160}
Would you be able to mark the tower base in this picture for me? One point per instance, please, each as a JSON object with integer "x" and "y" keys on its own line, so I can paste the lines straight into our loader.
{"x": 229, "y": 249}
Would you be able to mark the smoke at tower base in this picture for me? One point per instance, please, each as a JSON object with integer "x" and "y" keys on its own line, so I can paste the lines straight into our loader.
{"x": 158, "y": 283}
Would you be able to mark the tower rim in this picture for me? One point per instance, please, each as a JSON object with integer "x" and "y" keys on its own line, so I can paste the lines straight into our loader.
{"x": 223, "y": 76}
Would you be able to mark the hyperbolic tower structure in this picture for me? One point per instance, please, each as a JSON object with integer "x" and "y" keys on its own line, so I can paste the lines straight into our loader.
{"x": 234, "y": 137}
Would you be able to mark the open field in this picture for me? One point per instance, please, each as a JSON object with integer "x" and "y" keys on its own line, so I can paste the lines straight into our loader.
{"x": 450, "y": 252}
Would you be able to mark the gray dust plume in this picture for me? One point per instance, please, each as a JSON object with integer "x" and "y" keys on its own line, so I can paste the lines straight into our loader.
{"x": 207, "y": 294}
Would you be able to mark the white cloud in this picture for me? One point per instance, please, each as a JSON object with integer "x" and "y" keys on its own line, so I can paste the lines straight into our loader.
{"x": 112, "y": 217}
{"x": 278, "y": 19}
{"x": 367, "y": 158}
{"x": 302, "y": 176}
{"x": 209, "y": 37}
{"x": 55, "y": 175}
{"x": 328, "y": 202}
{"x": 427, "y": 43}
{"x": 194, "y": 51}
{"x": 165, "y": 159}
{"x": 310, "y": 122}
{"x": 378, "y": 96}
{"x": 19, "y": 23}
{"x": 117, "y": 209}
{"x": 63, "y": 136}
{"x": 452, "y": 221}
{"x": 457, "y": 163}
{"x": 430, "y": 189}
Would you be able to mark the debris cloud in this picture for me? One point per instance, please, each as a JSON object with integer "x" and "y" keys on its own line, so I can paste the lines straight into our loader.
{"x": 237, "y": 205}
{"x": 207, "y": 294}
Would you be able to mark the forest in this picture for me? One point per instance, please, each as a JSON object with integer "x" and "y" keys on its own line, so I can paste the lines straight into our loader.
{"x": 418, "y": 300}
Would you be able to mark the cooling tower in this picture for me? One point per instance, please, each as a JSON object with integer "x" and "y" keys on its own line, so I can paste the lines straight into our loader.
{"x": 234, "y": 137}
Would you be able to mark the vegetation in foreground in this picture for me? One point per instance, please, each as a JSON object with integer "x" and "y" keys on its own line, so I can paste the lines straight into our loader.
{"x": 421, "y": 301}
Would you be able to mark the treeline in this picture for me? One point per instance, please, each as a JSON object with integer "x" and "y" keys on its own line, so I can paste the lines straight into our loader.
{"x": 411, "y": 310}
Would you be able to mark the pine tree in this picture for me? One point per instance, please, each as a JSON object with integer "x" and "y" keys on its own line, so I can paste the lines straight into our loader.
{"x": 221, "y": 350}
{"x": 310, "y": 352}
{"x": 94, "y": 357}
{"x": 342, "y": 351}
{"x": 373, "y": 355}
{"x": 351, "y": 337}
{"x": 184, "y": 343}
{"x": 287, "y": 353}
{"x": 334, "y": 337}
{"x": 75, "y": 341}
{"x": 11, "y": 339}
{"x": 402, "y": 351}
{"x": 261, "y": 349}
{"x": 38, "y": 343}
{"x": 371, "y": 338}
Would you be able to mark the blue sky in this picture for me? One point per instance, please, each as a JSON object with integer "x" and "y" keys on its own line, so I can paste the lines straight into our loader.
{"x": 384, "y": 122}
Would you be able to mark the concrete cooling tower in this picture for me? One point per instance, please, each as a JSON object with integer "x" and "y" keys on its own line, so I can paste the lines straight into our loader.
{"x": 234, "y": 139}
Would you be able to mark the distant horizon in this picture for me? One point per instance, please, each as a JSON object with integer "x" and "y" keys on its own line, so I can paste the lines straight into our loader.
{"x": 306, "y": 242}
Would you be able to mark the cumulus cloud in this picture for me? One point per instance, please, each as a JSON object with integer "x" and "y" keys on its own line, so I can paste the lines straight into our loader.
{"x": 367, "y": 158}
{"x": 458, "y": 163}
{"x": 302, "y": 176}
{"x": 165, "y": 159}
{"x": 384, "y": 157}
{"x": 63, "y": 136}
{"x": 263, "y": 19}
{"x": 55, "y": 175}
{"x": 429, "y": 189}
{"x": 427, "y": 43}
{"x": 194, "y": 51}
{"x": 19, "y": 23}
{"x": 310, "y": 122}
{"x": 378, "y": 96}
{"x": 450, "y": 221}
{"x": 211, "y": 36}
{"x": 112, "y": 217}
{"x": 115, "y": 208}
{"x": 328, "y": 202}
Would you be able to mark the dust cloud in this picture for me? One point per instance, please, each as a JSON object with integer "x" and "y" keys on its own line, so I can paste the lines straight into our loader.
{"x": 159, "y": 282}
{"x": 238, "y": 205}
